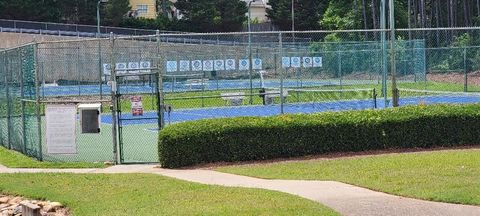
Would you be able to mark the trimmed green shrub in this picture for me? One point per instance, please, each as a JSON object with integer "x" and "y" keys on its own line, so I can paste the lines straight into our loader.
{"x": 258, "y": 138}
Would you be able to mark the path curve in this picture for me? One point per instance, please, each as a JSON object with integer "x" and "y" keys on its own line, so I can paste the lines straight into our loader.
{"x": 344, "y": 198}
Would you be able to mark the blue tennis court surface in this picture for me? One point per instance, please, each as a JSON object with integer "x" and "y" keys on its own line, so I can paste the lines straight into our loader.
{"x": 132, "y": 88}
{"x": 182, "y": 115}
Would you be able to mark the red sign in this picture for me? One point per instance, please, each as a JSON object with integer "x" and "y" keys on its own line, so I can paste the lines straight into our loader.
{"x": 137, "y": 107}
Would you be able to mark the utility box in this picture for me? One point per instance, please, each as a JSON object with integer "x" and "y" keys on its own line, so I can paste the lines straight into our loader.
{"x": 90, "y": 117}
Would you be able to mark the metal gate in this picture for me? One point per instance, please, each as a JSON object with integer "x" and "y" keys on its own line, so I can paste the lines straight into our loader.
{"x": 139, "y": 116}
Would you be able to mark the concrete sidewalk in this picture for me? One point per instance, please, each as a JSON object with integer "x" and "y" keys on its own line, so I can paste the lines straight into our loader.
{"x": 343, "y": 198}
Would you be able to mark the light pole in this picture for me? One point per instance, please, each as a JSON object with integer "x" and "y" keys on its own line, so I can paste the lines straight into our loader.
{"x": 395, "y": 96}
{"x": 98, "y": 14}
{"x": 293, "y": 16}
{"x": 250, "y": 66}
{"x": 99, "y": 50}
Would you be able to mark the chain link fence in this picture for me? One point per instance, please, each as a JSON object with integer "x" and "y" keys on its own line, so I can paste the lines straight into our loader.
{"x": 164, "y": 79}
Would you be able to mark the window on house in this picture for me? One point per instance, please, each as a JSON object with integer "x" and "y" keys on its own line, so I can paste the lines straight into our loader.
{"x": 142, "y": 9}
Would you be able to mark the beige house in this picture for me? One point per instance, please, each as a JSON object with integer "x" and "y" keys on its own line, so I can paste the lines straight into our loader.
{"x": 258, "y": 10}
{"x": 144, "y": 8}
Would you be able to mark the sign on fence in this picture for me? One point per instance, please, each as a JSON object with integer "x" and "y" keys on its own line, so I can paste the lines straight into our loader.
{"x": 257, "y": 64}
{"x": 137, "y": 106}
{"x": 297, "y": 62}
{"x": 61, "y": 129}
{"x": 130, "y": 67}
{"x": 208, "y": 65}
{"x": 171, "y": 66}
{"x": 230, "y": 64}
{"x": 243, "y": 64}
{"x": 184, "y": 65}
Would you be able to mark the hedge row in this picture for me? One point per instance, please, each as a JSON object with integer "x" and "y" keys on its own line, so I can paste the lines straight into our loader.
{"x": 257, "y": 138}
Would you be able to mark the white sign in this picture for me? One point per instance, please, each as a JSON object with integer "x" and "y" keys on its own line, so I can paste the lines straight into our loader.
{"x": 230, "y": 64}
{"x": 184, "y": 65}
{"x": 133, "y": 65}
{"x": 317, "y": 61}
{"x": 197, "y": 65}
{"x": 137, "y": 106}
{"x": 208, "y": 65}
{"x": 121, "y": 68}
{"x": 307, "y": 62}
{"x": 243, "y": 64}
{"x": 61, "y": 129}
{"x": 285, "y": 62}
{"x": 219, "y": 65}
{"x": 172, "y": 66}
{"x": 145, "y": 65}
{"x": 257, "y": 64}
{"x": 295, "y": 62}
{"x": 107, "y": 69}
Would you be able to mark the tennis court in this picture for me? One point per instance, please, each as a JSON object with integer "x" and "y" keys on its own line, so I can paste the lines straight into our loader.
{"x": 409, "y": 97}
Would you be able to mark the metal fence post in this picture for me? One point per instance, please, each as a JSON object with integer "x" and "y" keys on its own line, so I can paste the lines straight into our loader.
{"x": 383, "y": 26}
{"x": 395, "y": 96}
{"x": 160, "y": 82}
{"x": 282, "y": 98}
{"x": 22, "y": 103}
{"x": 250, "y": 66}
{"x": 113, "y": 79}
{"x": 37, "y": 99}
{"x": 9, "y": 111}
{"x": 100, "y": 66}
{"x": 465, "y": 70}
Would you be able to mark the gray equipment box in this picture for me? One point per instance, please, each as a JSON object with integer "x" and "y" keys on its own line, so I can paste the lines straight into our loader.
{"x": 90, "y": 117}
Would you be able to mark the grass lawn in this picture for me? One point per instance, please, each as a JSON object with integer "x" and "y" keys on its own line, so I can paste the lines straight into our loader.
{"x": 14, "y": 159}
{"x": 448, "y": 176}
{"x": 148, "y": 194}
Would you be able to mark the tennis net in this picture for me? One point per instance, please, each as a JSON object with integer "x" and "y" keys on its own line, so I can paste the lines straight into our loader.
{"x": 424, "y": 97}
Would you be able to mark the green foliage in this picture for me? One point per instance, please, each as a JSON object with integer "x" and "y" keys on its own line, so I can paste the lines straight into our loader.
{"x": 14, "y": 159}
{"x": 308, "y": 13}
{"x": 258, "y": 138}
{"x": 116, "y": 11}
{"x": 340, "y": 15}
{"x": 212, "y": 16}
{"x": 459, "y": 57}
{"x": 145, "y": 23}
{"x": 46, "y": 10}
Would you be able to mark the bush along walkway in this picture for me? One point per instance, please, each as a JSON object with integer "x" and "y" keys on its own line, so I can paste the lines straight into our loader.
{"x": 345, "y": 199}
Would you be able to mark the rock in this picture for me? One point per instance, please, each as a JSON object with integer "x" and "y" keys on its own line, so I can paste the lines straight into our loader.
{"x": 17, "y": 210}
{"x": 42, "y": 203}
{"x": 56, "y": 204}
{"x": 108, "y": 163}
{"x": 2, "y": 206}
{"x": 15, "y": 200}
{"x": 53, "y": 206}
{"x": 4, "y": 199}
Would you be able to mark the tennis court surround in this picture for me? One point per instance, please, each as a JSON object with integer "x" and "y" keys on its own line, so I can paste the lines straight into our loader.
{"x": 355, "y": 75}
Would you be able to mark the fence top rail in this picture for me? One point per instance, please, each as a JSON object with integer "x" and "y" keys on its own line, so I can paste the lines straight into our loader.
{"x": 83, "y": 25}
{"x": 440, "y": 29}
{"x": 276, "y": 32}
{"x": 17, "y": 47}
{"x": 74, "y": 40}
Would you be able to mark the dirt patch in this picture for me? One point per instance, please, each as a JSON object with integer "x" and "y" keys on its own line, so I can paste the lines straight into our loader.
{"x": 455, "y": 78}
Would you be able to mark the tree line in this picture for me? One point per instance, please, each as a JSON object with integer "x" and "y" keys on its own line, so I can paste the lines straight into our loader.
{"x": 230, "y": 15}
